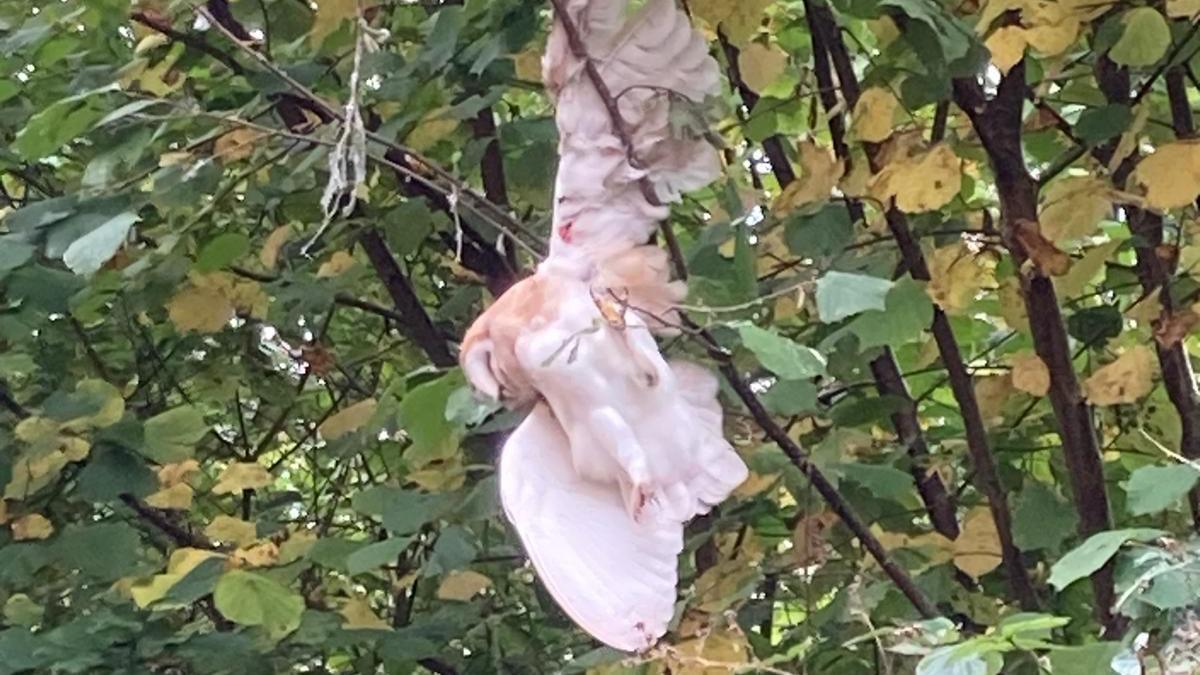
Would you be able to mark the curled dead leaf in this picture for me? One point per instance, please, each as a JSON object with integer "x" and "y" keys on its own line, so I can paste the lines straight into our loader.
{"x": 1044, "y": 255}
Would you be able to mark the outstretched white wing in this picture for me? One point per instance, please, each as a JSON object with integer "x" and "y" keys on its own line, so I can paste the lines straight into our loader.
{"x": 612, "y": 576}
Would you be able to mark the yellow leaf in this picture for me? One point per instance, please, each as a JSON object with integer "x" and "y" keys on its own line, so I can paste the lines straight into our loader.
{"x": 1012, "y": 305}
{"x": 857, "y": 182}
{"x": 36, "y": 430}
{"x": 1052, "y": 39}
{"x": 718, "y": 652}
{"x": 820, "y": 172}
{"x": 347, "y": 420}
{"x": 957, "y": 274}
{"x": 885, "y": 30}
{"x": 32, "y": 526}
{"x": 242, "y": 476}
{"x": 296, "y": 546}
{"x": 739, "y": 20}
{"x": 1147, "y": 309}
{"x": 1007, "y": 46}
{"x": 433, "y": 127}
{"x": 1125, "y": 380}
{"x": 977, "y": 549}
{"x": 269, "y": 255}
{"x": 528, "y": 64}
{"x": 1129, "y": 139}
{"x": 761, "y": 64}
{"x": 184, "y": 560}
{"x": 146, "y": 592}
{"x": 1030, "y": 374}
{"x": 936, "y": 548}
{"x": 339, "y": 262}
{"x": 1072, "y": 207}
{"x": 992, "y": 393}
{"x": 924, "y": 181}
{"x": 440, "y": 476}
{"x": 231, "y": 530}
{"x": 329, "y": 16}
{"x": 237, "y": 144}
{"x": 462, "y": 585}
{"x": 170, "y": 475}
{"x": 175, "y": 497}
{"x": 1171, "y": 176}
{"x": 258, "y": 554}
{"x": 74, "y": 449}
{"x": 150, "y": 590}
{"x": 3, "y": 511}
{"x": 174, "y": 158}
{"x": 202, "y": 310}
{"x": 357, "y": 614}
{"x": 1183, "y": 9}
{"x": 755, "y": 483}
{"x": 722, "y": 584}
{"x": 1084, "y": 270}
{"x": 873, "y": 114}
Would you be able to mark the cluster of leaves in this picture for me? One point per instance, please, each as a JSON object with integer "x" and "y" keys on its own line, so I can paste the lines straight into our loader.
{"x": 227, "y": 445}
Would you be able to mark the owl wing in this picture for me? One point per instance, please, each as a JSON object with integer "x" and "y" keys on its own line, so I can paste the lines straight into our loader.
{"x": 615, "y": 578}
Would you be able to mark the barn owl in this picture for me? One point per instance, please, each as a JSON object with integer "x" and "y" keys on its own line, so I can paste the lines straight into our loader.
{"x": 621, "y": 447}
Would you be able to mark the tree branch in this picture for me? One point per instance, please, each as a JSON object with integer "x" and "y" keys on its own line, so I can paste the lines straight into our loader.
{"x": 824, "y": 28}
{"x": 198, "y": 42}
{"x": 998, "y": 125}
{"x": 416, "y": 322}
{"x": 772, "y": 146}
{"x": 888, "y": 380}
{"x": 1154, "y": 273}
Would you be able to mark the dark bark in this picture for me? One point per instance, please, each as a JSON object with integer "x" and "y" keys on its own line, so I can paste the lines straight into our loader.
{"x": 1153, "y": 272}
{"x": 998, "y": 124}
{"x": 825, "y": 33}
{"x": 773, "y": 148}
{"x": 416, "y": 325}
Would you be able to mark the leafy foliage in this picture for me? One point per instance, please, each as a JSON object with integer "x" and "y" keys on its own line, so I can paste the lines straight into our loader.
{"x": 233, "y": 439}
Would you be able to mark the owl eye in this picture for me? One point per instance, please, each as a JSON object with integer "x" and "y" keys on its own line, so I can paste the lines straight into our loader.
{"x": 564, "y": 231}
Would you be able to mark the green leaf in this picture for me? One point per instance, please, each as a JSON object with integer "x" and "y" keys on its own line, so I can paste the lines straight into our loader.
{"x": 21, "y": 610}
{"x": 953, "y": 40}
{"x": 376, "y": 555}
{"x": 840, "y": 295}
{"x": 1090, "y": 659}
{"x": 222, "y": 251}
{"x": 255, "y": 600}
{"x": 1097, "y": 125}
{"x": 1041, "y": 519}
{"x": 423, "y": 416}
{"x": 1092, "y": 554}
{"x": 825, "y": 233}
{"x": 1030, "y": 622}
{"x": 791, "y": 397}
{"x": 1156, "y": 488}
{"x": 907, "y": 316}
{"x": 782, "y": 356}
{"x": 14, "y": 253}
{"x": 172, "y": 436}
{"x": 1145, "y": 39}
{"x": 962, "y": 659}
{"x": 53, "y": 127}
{"x": 86, "y": 254}
{"x": 100, "y": 551}
{"x": 883, "y": 481}
{"x": 403, "y": 511}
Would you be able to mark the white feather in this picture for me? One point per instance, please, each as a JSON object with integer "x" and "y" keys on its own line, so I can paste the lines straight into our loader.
{"x": 630, "y": 417}
{"x": 612, "y": 576}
